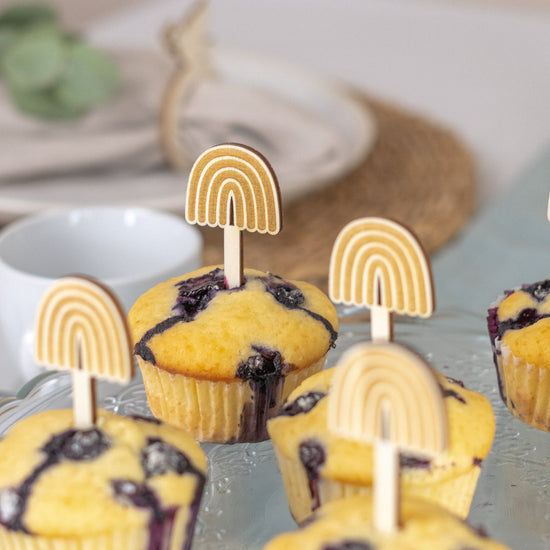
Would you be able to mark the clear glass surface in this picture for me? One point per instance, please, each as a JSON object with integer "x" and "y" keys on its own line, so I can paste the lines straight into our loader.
{"x": 245, "y": 504}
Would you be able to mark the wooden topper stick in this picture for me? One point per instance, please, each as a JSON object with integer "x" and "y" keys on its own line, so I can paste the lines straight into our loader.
{"x": 386, "y": 395}
{"x": 232, "y": 186}
{"x": 380, "y": 264}
{"x": 80, "y": 326}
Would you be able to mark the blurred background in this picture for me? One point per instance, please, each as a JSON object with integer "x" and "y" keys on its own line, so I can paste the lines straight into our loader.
{"x": 421, "y": 110}
{"x": 426, "y": 111}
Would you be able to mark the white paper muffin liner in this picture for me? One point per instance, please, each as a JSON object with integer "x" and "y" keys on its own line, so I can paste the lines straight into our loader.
{"x": 175, "y": 537}
{"x": 175, "y": 534}
{"x": 215, "y": 411}
{"x": 526, "y": 389}
{"x": 455, "y": 494}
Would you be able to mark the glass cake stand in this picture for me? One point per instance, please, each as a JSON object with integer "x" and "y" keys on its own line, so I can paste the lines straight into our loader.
{"x": 244, "y": 504}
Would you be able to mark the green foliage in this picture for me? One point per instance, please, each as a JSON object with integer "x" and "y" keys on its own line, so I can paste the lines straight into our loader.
{"x": 49, "y": 72}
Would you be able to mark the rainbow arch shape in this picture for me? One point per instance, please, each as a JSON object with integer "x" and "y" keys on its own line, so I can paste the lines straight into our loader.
{"x": 386, "y": 391}
{"x": 378, "y": 262}
{"x": 232, "y": 184}
{"x": 80, "y": 325}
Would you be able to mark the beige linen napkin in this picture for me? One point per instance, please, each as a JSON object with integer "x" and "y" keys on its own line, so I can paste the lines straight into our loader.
{"x": 120, "y": 136}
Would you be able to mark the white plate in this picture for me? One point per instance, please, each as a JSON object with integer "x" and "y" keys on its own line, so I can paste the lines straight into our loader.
{"x": 245, "y": 504}
{"x": 331, "y": 135}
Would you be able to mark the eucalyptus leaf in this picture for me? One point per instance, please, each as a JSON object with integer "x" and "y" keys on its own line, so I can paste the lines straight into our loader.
{"x": 90, "y": 77}
{"x": 7, "y": 38}
{"x": 24, "y": 14}
{"x": 43, "y": 104}
{"x": 36, "y": 59}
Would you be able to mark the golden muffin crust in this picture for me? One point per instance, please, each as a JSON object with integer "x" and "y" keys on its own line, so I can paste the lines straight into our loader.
{"x": 192, "y": 325}
{"x": 124, "y": 473}
{"x": 348, "y": 523}
{"x": 526, "y": 340}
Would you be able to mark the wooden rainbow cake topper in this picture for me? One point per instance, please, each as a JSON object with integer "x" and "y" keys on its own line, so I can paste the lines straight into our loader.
{"x": 234, "y": 187}
{"x": 80, "y": 326}
{"x": 387, "y": 395}
{"x": 377, "y": 262}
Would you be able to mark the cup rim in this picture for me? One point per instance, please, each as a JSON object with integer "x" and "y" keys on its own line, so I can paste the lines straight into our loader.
{"x": 192, "y": 245}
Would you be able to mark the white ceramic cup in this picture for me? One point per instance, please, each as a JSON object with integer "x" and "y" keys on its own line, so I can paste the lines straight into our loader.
{"x": 128, "y": 249}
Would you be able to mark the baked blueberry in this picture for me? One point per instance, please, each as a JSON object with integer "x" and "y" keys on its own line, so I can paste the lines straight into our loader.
{"x": 410, "y": 461}
{"x": 77, "y": 445}
{"x": 159, "y": 457}
{"x": 284, "y": 292}
{"x": 195, "y": 294}
{"x": 312, "y": 456}
{"x": 263, "y": 363}
{"x": 11, "y": 507}
{"x": 302, "y": 404}
{"x": 138, "y": 495}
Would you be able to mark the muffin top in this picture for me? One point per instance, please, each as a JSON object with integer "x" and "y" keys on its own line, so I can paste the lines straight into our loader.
{"x": 347, "y": 524}
{"x": 57, "y": 481}
{"x": 300, "y": 431}
{"x": 193, "y": 325}
{"x": 521, "y": 322}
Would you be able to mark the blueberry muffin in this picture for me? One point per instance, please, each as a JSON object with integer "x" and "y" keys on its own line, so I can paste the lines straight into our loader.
{"x": 347, "y": 524}
{"x": 519, "y": 329}
{"x": 218, "y": 362}
{"x": 124, "y": 484}
{"x": 318, "y": 466}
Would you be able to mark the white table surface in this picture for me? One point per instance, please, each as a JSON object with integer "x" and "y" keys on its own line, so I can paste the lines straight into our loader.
{"x": 481, "y": 69}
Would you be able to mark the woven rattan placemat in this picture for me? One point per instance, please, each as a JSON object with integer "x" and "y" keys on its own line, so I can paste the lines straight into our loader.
{"x": 418, "y": 173}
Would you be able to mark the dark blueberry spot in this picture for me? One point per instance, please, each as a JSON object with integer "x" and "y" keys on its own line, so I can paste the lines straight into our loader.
{"x": 292, "y": 297}
{"x": 284, "y": 292}
{"x": 266, "y": 395}
{"x": 302, "y": 404}
{"x": 11, "y": 507}
{"x": 477, "y": 461}
{"x": 195, "y": 294}
{"x": 262, "y": 364}
{"x": 77, "y": 445}
{"x": 149, "y": 419}
{"x": 139, "y": 495}
{"x": 312, "y": 456}
{"x": 328, "y": 326}
{"x": 142, "y": 349}
{"x": 455, "y": 381}
{"x": 448, "y": 392}
{"x": 410, "y": 461}
{"x": 539, "y": 290}
{"x": 68, "y": 445}
{"x": 159, "y": 457}
{"x": 526, "y": 317}
{"x": 264, "y": 372}
{"x": 349, "y": 545}
{"x": 161, "y": 521}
